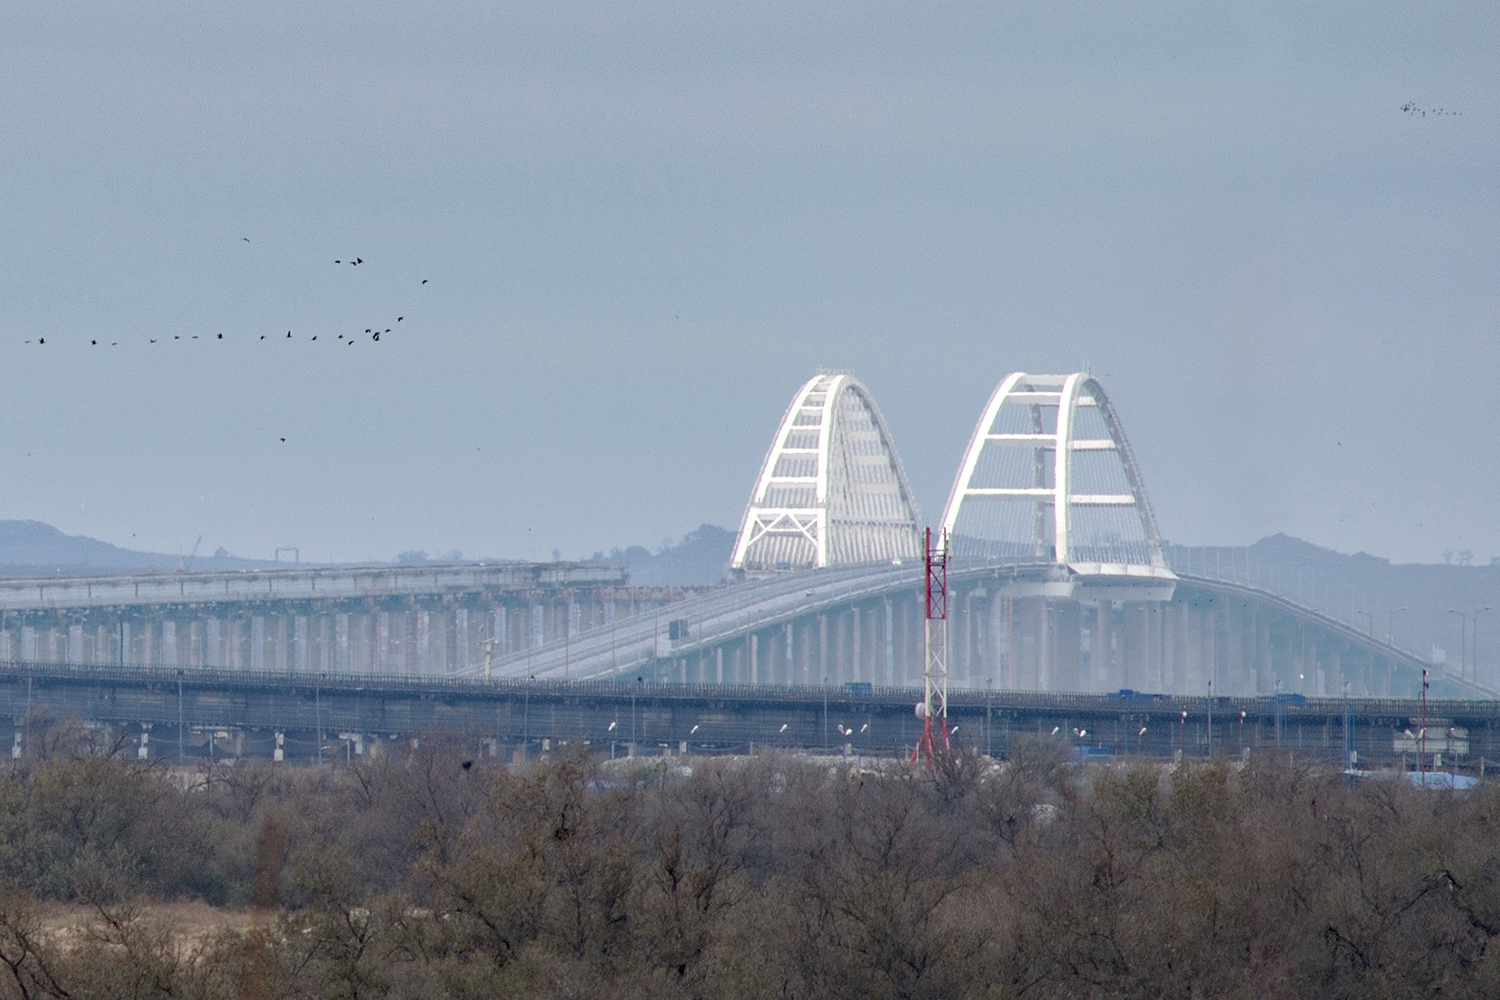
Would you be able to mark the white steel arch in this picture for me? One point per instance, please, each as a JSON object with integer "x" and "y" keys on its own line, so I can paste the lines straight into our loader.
{"x": 831, "y": 490}
{"x": 1048, "y": 475}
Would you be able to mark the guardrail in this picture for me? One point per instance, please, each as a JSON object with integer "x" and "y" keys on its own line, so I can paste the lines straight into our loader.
{"x": 303, "y": 584}
{"x": 1136, "y": 705}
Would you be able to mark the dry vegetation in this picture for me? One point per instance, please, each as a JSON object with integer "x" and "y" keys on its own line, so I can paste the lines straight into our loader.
{"x": 441, "y": 874}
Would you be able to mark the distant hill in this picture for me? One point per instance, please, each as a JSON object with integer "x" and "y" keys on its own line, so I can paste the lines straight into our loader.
{"x": 34, "y": 549}
{"x": 701, "y": 559}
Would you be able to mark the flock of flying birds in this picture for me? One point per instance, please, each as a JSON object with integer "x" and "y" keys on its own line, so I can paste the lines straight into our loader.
{"x": 1411, "y": 108}
{"x": 373, "y": 332}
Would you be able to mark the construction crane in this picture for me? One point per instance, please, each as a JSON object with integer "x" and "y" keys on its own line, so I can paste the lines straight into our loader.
{"x": 933, "y": 708}
{"x": 184, "y": 561}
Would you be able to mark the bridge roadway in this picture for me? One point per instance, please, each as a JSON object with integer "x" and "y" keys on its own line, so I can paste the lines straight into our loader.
{"x": 301, "y": 585}
{"x": 731, "y": 618}
{"x": 204, "y": 714}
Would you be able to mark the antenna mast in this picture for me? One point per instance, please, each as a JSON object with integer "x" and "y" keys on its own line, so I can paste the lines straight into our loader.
{"x": 933, "y": 708}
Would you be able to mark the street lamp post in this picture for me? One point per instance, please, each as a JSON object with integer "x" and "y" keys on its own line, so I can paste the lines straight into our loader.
{"x": 1349, "y": 745}
{"x": 1463, "y": 641}
{"x": 1210, "y": 719}
{"x": 1390, "y": 640}
{"x": 825, "y": 711}
{"x": 1474, "y": 646}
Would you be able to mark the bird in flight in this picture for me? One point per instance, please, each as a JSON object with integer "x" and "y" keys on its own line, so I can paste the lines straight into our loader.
{"x": 283, "y": 440}
{"x": 245, "y": 238}
{"x": 424, "y": 281}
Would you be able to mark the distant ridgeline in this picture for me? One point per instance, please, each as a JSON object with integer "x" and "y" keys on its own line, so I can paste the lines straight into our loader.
{"x": 34, "y": 549}
{"x": 1365, "y": 590}
{"x": 701, "y": 559}
{"x": 31, "y": 548}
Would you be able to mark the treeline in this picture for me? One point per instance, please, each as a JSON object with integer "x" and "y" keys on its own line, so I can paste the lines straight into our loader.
{"x": 442, "y": 874}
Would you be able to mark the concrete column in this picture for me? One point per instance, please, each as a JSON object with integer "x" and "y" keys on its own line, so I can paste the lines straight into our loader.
{"x": 258, "y": 642}
{"x": 754, "y": 644}
{"x": 999, "y": 675}
{"x": 1243, "y": 647}
{"x": 790, "y": 666}
{"x": 383, "y": 626}
{"x": 1265, "y": 667}
{"x": 283, "y": 633}
{"x": 858, "y": 670}
{"x": 341, "y": 649}
{"x": 888, "y": 630}
{"x": 299, "y": 659}
{"x": 1065, "y": 628}
{"x": 423, "y": 641}
{"x": 1101, "y": 648}
{"x": 461, "y": 659}
{"x": 328, "y": 659}
{"x": 538, "y": 633}
{"x": 1046, "y": 646}
{"x": 825, "y": 668}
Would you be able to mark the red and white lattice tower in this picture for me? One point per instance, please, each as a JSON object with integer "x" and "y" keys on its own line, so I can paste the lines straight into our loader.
{"x": 933, "y": 708}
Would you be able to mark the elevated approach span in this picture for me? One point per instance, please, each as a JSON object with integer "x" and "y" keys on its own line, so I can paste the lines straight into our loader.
{"x": 419, "y": 620}
{"x": 1013, "y": 627}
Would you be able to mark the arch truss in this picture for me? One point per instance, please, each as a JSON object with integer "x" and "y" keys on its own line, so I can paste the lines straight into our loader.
{"x": 1048, "y": 476}
{"x": 831, "y": 490}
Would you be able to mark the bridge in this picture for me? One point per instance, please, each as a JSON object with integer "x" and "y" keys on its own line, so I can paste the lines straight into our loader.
{"x": 1058, "y": 585}
{"x": 1058, "y": 581}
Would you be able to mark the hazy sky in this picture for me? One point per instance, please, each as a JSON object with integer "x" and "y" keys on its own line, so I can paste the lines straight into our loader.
{"x": 645, "y": 225}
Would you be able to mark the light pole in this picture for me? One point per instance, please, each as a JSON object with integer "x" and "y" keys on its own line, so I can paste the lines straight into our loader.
{"x": 1348, "y": 745}
{"x": 1474, "y": 646}
{"x": 1210, "y": 720}
{"x": 1390, "y": 640}
{"x": 1463, "y": 641}
{"x": 989, "y": 722}
{"x": 526, "y": 716}
{"x": 1422, "y": 733}
{"x": 825, "y": 711}
{"x": 1371, "y": 619}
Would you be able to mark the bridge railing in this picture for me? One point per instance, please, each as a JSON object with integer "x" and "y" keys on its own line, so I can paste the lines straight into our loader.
{"x": 1158, "y": 706}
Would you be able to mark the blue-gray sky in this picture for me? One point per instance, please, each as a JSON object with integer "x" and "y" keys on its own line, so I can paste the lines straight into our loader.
{"x": 644, "y": 225}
